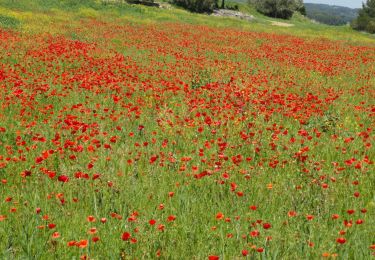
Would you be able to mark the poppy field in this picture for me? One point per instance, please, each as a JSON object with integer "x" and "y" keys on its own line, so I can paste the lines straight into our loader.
{"x": 128, "y": 140}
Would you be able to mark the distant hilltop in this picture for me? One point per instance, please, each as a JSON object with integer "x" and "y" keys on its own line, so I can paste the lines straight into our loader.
{"x": 330, "y": 14}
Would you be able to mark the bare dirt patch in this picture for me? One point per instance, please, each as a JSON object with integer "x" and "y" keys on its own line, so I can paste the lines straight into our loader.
{"x": 281, "y": 24}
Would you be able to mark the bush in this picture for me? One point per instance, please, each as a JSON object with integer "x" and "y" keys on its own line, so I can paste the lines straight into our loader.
{"x": 199, "y": 6}
{"x": 234, "y": 7}
{"x": 366, "y": 18}
{"x": 302, "y": 10}
{"x": 142, "y": 2}
{"x": 278, "y": 8}
{"x": 8, "y": 22}
{"x": 371, "y": 26}
{"x": 88, "y": 13}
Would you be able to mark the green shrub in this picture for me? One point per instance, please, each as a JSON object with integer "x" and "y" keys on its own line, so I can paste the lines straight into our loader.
{"x": 199, "y": 6}
{"x": 371, "y": 26}
{"x": 88, "y": 12}
{"x": 366, "y": 18}
{"x": 278, "y": 8}
{"x": 8, "y": 22}
{"x": 139, "y": 1}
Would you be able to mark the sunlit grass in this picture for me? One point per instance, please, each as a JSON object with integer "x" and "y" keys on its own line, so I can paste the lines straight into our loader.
{"x": 148, "y": 15}
{"x": 190, "y": 135}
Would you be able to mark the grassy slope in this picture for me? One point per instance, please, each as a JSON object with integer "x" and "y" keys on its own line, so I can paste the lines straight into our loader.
{"x": 31, "y": 15}
{"x": 195, "y": 204}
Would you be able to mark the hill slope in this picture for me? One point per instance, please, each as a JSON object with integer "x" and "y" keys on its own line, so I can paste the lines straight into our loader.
{"x": 329, "y": 14}
{"x": 130, "y": 132}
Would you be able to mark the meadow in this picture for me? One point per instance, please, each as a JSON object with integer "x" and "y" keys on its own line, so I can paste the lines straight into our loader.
{"x": 130, "y": 132}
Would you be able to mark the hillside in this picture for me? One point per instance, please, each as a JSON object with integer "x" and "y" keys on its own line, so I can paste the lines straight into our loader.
{"x": 135, "y": 132}
{"x": 29, "y": 15}
{"x": 332, "y": 15}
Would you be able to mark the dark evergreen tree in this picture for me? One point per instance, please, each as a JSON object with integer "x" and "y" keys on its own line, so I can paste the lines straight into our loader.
{"x": 222, "y": 4}
{"x": 278, "y": 8}
{"x": 366, "y": 18}
{"x": 198, "y": 6}
{"x": 144, "y": 2}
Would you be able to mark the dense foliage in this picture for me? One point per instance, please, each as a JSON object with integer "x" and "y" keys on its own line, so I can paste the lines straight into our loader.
{"x": 198, "y": 6}
{"x": 366, "y": 18}
{"x": 143, "y": 2}
{"x": 332, "y": 15}
{"x": 278, "y": 8}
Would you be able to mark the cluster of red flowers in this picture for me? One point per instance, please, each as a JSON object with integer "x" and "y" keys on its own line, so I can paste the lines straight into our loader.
{"x": 254, "y": 135}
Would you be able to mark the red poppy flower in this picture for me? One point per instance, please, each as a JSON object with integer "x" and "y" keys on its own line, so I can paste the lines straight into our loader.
{"x": 63, "y": 178}
{"x": 91, "y": 219}
{"x": 266, "y": 225}
{"x": 350, "y": 211}
{"x": 71, "y": 243}
{"x": 219, "y": 216}
{"x": 125, "y": 236}
{"x": 309, "y": 217}
{"x": 82, "y": 243}
{"x": 254, "y": 233}
{"x": 161, "y": 227}
{"x": 51, "y": 226}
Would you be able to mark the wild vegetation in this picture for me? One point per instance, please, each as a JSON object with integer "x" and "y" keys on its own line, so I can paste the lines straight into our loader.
{"x": 278, "y": 8}
{"x": 366, "y": 18}
{"x": 198, "y": 6}
{"x": 130, "y": 132}
{"x": 332, "y": 15}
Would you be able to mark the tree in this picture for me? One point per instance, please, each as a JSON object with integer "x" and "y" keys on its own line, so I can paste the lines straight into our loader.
{"x": 145, "y": 2}
{"x": 278, "y": 8}
{"x": 366, "y": 18}
{"x": 198, "y": 6}
{"x": 300, "y": 7}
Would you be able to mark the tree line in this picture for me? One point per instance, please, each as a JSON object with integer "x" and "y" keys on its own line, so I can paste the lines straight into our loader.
{"x": 332, "y": 15}
{"x": 273, "y": 8}
{"x": 366, "y": 18}
{"x": 282, "y": 9}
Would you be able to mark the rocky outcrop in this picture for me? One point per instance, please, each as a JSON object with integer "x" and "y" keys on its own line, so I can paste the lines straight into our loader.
{"x": 231, "y": 13}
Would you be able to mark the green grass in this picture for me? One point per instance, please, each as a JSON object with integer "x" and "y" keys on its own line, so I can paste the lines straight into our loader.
{"x": 8, "y": 22}
{"x": 142, "y": 14}
{"x": 164, "y": 65}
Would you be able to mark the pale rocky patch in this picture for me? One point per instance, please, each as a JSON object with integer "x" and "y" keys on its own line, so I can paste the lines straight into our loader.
{"x": 281, "y": 24}
{"x": 233, "y": 14}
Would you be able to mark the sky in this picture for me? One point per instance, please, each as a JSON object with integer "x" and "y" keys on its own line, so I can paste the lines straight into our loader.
{"x": 347, "y": 3}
